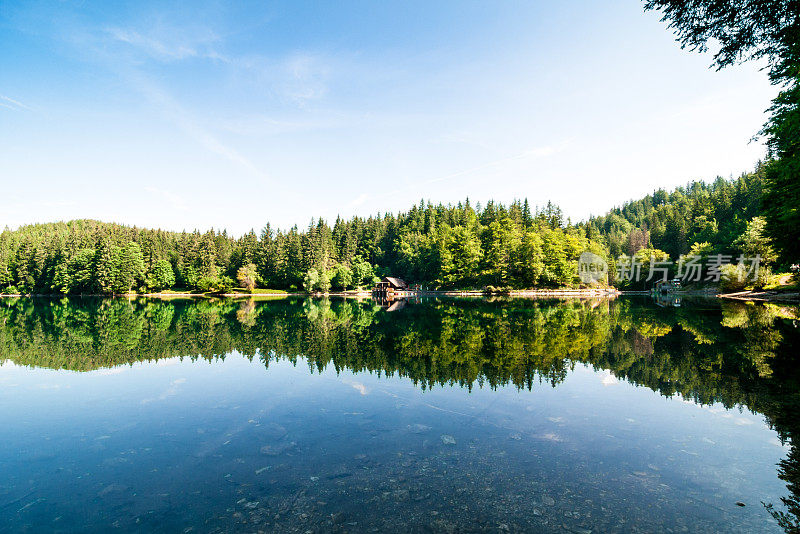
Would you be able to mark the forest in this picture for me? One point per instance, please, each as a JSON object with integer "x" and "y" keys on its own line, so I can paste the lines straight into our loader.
{"x": 437, "y": 246}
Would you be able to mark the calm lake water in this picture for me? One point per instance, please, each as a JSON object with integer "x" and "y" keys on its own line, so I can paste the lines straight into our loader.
{"x": 439, "y": 416}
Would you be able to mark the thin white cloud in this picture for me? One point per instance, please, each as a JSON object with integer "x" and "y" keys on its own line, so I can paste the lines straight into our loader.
{"x": 169, "y": 43}
{"x": 10, "y": 103}
{"x": 250, "y": 124}
{"x": 298, "y": 78}
{"x": 307, "y": 78}
{"x": 358, "y": 386}
{"x": 186, "y": 122}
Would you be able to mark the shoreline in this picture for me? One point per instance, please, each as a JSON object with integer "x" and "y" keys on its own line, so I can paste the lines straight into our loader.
{"x": 789, "y": 297}
{"x": 359, "y": 294}
{"x": 741, "y": 296}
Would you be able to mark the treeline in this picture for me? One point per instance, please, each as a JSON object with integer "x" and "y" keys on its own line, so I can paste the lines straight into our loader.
{"x": 437, "y": 246}
{"x": 716, "y": 213}
{"x": 769, "y": 32}
{"x": 441, "y": 246}
{"x": 699, "y": 220}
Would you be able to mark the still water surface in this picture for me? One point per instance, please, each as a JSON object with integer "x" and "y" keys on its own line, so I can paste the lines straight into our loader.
{"x": 441, "y": 416}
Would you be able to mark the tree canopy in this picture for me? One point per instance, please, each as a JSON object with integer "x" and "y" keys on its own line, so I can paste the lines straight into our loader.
{"x": 751, "y": 30}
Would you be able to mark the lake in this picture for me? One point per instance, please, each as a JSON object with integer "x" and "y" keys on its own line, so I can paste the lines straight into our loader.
{"x": 437, "y": 415}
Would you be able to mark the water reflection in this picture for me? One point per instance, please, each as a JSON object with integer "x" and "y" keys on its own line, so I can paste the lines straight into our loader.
{"x": 706, "y": 351}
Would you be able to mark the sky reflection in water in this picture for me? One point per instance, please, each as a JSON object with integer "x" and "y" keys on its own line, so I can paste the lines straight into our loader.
{"x": 232, "y": 444}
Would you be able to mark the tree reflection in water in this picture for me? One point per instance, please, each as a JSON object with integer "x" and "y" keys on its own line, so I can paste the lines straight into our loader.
{"x": 708, "y": 351}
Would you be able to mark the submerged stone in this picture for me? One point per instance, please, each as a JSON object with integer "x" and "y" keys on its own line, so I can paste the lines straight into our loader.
{"x": 278, "y": 449}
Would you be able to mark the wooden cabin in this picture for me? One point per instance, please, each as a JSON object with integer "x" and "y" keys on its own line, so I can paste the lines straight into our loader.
{"x": 388, "y": 286}
{"x": 667, "y": 286}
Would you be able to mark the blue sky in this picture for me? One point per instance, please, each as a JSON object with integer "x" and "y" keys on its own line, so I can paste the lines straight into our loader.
{"x": 203, "y": 115}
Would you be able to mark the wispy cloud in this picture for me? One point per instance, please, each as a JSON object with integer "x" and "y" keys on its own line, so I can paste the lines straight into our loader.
{"x": 358, "y": 386}
{"x": 10, "y": 103}
{"x": 300, "y": 76}
{"x": 169, "y": 43}
{"x": 307, "y": 78}
{"x": 173, "y": 110}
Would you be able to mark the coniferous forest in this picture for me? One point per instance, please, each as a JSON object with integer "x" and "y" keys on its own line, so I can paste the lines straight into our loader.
{"x": 438, "y": 246}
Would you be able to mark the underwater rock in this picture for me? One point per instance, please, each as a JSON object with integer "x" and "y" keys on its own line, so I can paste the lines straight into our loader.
{"x": 278, "y": 449}
{"x": 448, "y": 440}
{"x": 111, "y": 488}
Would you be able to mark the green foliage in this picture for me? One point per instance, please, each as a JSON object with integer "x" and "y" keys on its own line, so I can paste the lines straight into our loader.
{"x": 530, "y": 260}
{"x": 754, "y": 242}
{"x": 311, "y": 280}
{"x": 733, "y": 278}
{"x": 215, "y": 284}
{"x": 224, "y": 283}
{"x": 75, "y": 275}
{"x": 129, "y": 267}
{"x": 206, "y": 284}
{"x": 246, "y": 275}
{"x": 768, "y": 30}
{"x": 438, "y": 246}
{"x": 782, "y": 176}
{"x": 324, "y": 283}
{"x": 363, "y": 272}
{"x": 716, "y": 213}
{"x": 161, "y": 276}
{"x": 342, "y": 278}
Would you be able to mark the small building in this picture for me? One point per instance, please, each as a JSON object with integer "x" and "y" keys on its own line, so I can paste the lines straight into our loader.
{"x": 389, "y": 285}
{"x": 395, "y": 283}
{"x": 664, "y": 286}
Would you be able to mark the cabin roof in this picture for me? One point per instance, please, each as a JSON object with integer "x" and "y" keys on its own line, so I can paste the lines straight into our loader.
{"x": 395, "y": 282}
